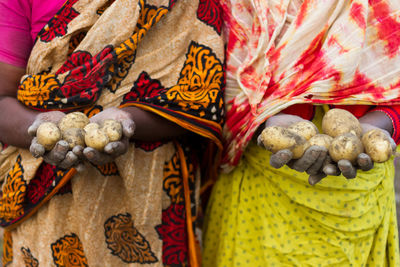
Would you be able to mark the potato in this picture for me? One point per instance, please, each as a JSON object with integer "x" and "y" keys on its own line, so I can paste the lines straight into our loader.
{"x": 346, "y": 146}
{"x": 113, "y": 129}
{"x": 48, "y": 135}
{"x": 275, "y": 138}
{"x": 91, "y": 126}
{"x": 307, "y": 129}
{"x": 73, "y": 120}
{"x": 74, "y": 137}
{"x": 96, "y": 139}
{"x": 339, "y": 121}
{"x": 321, "y": 140}
{"x": 377, "y": 145}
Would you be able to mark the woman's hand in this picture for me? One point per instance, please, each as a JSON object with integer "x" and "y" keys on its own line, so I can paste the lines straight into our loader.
{"x": 313, "y": 158}
{"x": 112, "y": 149}
{"x": 60, "y": 156}
{"x": 364, "y": 162}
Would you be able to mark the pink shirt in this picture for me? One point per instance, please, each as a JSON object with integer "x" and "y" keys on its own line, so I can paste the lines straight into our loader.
{"x": 20, "y": 22}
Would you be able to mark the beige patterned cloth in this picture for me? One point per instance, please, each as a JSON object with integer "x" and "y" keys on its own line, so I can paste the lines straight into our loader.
{"x": 121, "y": 214}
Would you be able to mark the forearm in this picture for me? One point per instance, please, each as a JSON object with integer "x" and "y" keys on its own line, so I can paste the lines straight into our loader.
{"x": 14, "y": 122}
{"x": 378, "y": 119}
{"x": 151, "y": 127}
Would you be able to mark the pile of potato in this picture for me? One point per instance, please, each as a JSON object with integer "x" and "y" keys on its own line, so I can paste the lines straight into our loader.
{"x": 76, "y": 129}
{"x": 342, "y": 136}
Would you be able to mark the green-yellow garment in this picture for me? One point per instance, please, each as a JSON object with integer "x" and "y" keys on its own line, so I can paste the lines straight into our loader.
{"x": 261, "y": 216}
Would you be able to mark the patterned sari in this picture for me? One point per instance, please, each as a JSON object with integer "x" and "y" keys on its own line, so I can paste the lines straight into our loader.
{"x": 163, "y": 56}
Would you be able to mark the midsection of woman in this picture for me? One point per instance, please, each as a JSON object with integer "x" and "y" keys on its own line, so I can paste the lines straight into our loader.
{"x": 122, "y": 212}
{"x": 301, "y": 61}
{"x": 262, "y": 216}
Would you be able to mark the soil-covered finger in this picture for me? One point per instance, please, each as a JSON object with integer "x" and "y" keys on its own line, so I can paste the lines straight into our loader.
{"x": 96, "y": 157}
{"x": 58, "y": 153}
{"x": 316, "y": 178}
{"x": 36, "y": 149}
{"x": 280, "y": 158}
{"x": 70, "y": 160}
{"x": 331, "y": 169}
{"x": 310, "y": 156}
{"x": 317, "y": 165}
{"x": 347, "y": 169}
{"x": 365, "y": 162}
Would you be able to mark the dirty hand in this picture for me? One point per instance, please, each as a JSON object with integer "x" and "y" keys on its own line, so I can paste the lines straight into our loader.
{"x": 313, "y": 158}
{"x": 364, "y": 162}
{"x": 60, "y": 155}
{"x": 112, "y": 149}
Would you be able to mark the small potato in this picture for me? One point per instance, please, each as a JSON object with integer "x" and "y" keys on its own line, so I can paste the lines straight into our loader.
{"x": 48, "y": 135}
{"x": 321, "y": 140}
{"x": 96, "y": 139}
{"x": 73, "y": 120}
{"x": 113, "y": 129}
{"x": 275, "y": 138}
{"x": 377, "y": 145}
{"x": 307, "y": 129}
{"x": 346, "y": 146}
{"x": 339, "y": 121}
{"x": 74, "y": 137}
{"x": 90, "y": 126}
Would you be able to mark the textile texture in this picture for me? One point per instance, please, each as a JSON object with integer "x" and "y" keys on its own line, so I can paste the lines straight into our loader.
{"x": 261, "y": 216}
{"x": 163, "y": 56}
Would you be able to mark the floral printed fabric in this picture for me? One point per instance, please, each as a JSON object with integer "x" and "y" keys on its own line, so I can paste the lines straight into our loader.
{"x": 335, "y": 52}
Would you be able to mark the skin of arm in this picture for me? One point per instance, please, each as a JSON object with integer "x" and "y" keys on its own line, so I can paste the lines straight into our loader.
{"x": 15, "y": 118}
{"x": 151, "y": 127}
{"x": 378, "y": 119}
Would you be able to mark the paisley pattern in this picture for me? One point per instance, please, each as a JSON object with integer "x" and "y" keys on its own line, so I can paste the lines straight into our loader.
{"x": 173, "y": 228}
{"x": 7, "y": 248}
{"x": 68, "y": 252}
{"x": 13, "y": 193}
{"x": 195, "y": 99}
{"x": 210, "y": 12}
{"x": 58, "y": 25}
{"x": 29, "y": 260}
{"x": 126, "y": 242}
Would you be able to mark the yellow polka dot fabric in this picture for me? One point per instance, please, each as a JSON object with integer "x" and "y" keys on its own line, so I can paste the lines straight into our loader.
{"x": 261, "y": 216}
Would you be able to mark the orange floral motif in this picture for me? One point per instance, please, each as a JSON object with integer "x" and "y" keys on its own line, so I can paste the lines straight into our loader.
{"x": 108, "y": 169}
{"x": 149, "y": 15}
{"x": 35, "y": 90}
{"x": 200, "y": 80}
{"x": 125, "y": 241}
{"x": 173, "y": 179}
{"x": 68, "y": 252}
{"x": 13, "y": 193}
{"x": 7, "y": 248}
{"x": 29, "y": 260}
{"x": 90, "y": 112}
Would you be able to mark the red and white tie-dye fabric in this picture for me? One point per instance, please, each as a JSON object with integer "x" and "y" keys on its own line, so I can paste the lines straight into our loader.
{"x": 331, "y": 52}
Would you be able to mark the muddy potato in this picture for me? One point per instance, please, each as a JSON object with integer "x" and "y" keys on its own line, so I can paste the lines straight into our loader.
{"x": 346, "y": 146}
{"x": 96, "y": 139}
{"x": 113, "y": 129}
{"x": 90, "y": 126}
{"x": 377, "y": 145}
{"x": 73, "y": 120}
{"x": 307, "y": 129}
{"x": 48, "y": 135}
{"x": 74, "y": 137}
{"x": 321, "y": 140}
{"x": 339, "y": 121}
{"x": 275, "y": 138}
